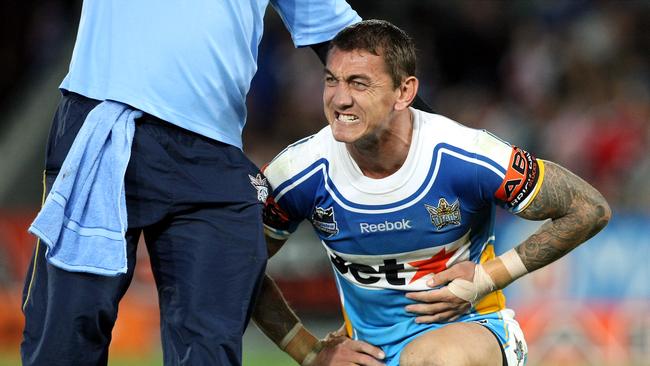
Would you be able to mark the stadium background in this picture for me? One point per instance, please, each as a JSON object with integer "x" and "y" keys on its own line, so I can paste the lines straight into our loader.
{"x": 567, "y": 79}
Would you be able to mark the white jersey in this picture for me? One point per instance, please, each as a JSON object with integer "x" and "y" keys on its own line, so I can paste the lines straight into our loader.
{"x": 388, "y": 236}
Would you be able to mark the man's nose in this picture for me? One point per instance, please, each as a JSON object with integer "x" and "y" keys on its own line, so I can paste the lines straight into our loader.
{"x": 342, "y": 97}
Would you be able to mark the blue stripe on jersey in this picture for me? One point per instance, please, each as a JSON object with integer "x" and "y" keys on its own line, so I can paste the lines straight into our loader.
{"x": 323, "y": 166}
{"x": 318, "y": 165}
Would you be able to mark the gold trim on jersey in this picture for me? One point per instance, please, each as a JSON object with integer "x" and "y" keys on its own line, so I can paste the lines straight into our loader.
{"x": 540, "y": 180}
{"x": 494, "y": 301}
{"x": 347, "y": 323}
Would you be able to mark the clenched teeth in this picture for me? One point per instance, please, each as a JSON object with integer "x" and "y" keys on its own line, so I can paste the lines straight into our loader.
{"x": 347, "y": 118}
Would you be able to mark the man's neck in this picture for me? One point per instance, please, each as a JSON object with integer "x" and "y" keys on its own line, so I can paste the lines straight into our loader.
{"x": 386, "y": 153}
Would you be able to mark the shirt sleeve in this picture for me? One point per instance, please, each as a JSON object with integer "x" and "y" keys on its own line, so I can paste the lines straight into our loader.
{"x": 513, "y": 175}
{"x": 286, "y": 206}
{"x": 314, "y": 21}
{"x": 278, "y": 223}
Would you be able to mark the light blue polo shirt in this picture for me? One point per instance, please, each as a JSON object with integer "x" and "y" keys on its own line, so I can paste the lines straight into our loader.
{"x": 188, "y": 62}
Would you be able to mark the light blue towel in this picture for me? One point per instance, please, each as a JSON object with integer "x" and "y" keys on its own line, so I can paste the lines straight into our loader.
{"x": 83, "y": 219}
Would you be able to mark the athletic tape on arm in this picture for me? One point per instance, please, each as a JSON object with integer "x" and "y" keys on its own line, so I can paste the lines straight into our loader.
{"x": 289, "y": 336}
{"x": 300, "y": 344}
{"x": 494, "y": 274}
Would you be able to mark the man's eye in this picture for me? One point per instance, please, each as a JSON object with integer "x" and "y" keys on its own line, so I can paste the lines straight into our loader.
{"x": 330, "y": 80}
{"x": 358, "y": 85}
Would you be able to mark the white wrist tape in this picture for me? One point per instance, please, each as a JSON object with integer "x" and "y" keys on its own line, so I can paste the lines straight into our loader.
{"x": 473, "y": 291}
{"x": 513, "y": 264}
{"x": 290, "y": 336}
{"x": 311, "y": 356}
{"x": 494, "y": 274}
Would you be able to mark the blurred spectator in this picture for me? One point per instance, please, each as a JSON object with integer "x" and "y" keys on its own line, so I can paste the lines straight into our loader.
{"x": 32, "y": 35}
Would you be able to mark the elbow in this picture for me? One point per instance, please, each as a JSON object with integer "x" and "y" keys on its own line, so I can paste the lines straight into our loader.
{"x": 602, "y": 215}
{"x": 606, "y": 213}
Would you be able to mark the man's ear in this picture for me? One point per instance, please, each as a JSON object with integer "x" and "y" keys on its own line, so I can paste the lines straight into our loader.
{"x": 407, "y": 92}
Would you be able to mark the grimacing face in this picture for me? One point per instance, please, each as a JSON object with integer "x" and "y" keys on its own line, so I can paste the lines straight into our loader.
{"x": 358, "y": 96}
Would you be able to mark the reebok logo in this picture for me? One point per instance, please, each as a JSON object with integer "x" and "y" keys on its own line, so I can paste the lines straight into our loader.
{"x": 403, "y": 224}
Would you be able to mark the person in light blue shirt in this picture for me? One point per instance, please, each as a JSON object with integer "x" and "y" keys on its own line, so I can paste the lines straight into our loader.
{"x": 188, "y": 65}
{"x": 185, "y": 68}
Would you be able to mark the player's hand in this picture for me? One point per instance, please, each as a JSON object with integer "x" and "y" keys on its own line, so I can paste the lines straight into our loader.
{"x": 440, "y": 305}
{"x": 338, "y": 350}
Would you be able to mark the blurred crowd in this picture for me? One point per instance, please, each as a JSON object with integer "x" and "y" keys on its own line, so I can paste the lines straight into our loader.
{"x": 568, "y": 79}
{"x": 33, "y": 37}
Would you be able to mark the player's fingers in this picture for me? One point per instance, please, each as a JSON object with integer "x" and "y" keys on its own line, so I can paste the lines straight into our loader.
{"x": 425, "y": 319}
{"x": 442, "y": 317}
{"x": 427, "y": 309}
{"x": 365, "y": 360}
{"x": 445, "y": 302}
{"x": 430, "y": 296}
{"x": 441, "y": 278}
{"x": 446, "y": 295}
{"x": 369, "y": 349}
{"x": 463, "y": 270}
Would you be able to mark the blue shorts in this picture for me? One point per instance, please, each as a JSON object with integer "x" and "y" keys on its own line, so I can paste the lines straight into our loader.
{"x": 193, "y": 201}
{"x": 502, "y": 324}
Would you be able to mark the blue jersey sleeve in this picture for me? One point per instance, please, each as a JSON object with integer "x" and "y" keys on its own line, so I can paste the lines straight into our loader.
{"x": 282, "y": 218}
{"x": 290, "y": 176}
{"x": 314, "y": 21}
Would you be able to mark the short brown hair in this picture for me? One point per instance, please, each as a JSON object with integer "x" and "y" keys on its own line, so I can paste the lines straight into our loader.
{"x": 381, "y": 38}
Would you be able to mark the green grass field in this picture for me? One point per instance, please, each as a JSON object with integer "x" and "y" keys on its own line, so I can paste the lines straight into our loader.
{"x": 258, "y": 351}
{"x": 251, "y": 358}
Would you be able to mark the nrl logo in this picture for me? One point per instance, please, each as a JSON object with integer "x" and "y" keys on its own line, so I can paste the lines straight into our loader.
{"x": 445, "y": 214}
{"x": 323, "y": 220}
{"x": 519, "y": 351}
{"x": 260, "y": 185}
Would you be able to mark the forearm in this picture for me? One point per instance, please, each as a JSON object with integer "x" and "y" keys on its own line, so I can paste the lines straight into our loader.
{"x": 576, "y": 210}
{"x": 275, "y": 318}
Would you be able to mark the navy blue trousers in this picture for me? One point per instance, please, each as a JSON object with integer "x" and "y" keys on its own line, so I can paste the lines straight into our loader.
{"x": 192, "y": 199}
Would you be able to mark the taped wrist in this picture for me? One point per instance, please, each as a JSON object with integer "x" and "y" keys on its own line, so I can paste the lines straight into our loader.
{"x": 301, "y": 345}
{"x": 290, "y": 336}
{"x": 473, "y": 291}
{"x": 505, "y": 268}
{"x": 311, "y": 356}
{"x": 494, "y": 274}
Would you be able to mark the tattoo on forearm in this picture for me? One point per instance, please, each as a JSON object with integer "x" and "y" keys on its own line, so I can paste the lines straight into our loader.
{"x": 577, "y": 212}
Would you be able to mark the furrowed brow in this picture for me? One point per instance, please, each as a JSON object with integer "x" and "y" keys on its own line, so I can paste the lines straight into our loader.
{"x": 357, "y": 77}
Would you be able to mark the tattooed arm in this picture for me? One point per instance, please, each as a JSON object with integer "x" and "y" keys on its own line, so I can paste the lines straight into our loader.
{"x": 275, "y": 318}
{"x": 576, "y": 210}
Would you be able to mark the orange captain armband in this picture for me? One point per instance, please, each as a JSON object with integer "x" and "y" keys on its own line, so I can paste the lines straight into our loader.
{"x": 523, "y": 177}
